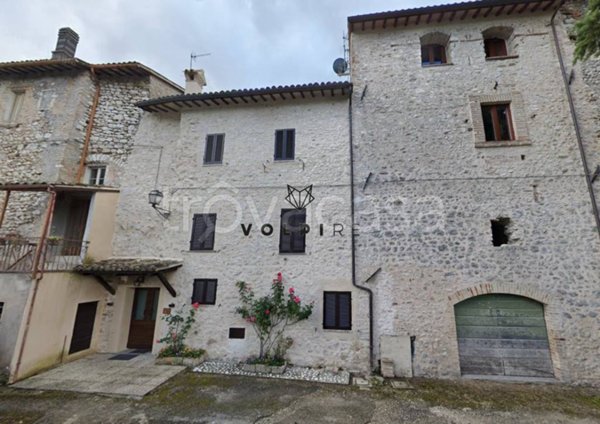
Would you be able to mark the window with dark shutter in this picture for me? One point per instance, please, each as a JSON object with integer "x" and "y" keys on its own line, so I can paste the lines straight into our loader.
{"x": 285, "y": 142}
{"x": 497, "y": 122}
{"x": 203, "y": 231}
{"x": 205, "y": 291}
{"x": 292, "y": 233}
{"x": 337, "y": 311}
{"x": 495, "y": 47}
{"x": 213, "y": 154}
{"x": 433, "y": 54}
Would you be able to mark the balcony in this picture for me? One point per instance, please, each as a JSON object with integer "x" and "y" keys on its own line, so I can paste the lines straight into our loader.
{"x": 17, "y": 255}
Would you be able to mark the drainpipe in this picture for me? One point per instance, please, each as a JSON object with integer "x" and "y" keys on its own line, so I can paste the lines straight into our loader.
{"x": 38, "y": 273}
{"x": 4, "y": 207}
{"x": 90, "y": 127}
{"x": 368, "y": 290}
{"x": 586, "y": 169}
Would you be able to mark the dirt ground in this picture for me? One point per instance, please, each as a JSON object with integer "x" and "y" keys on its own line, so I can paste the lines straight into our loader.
{"x": 196, "y": 398}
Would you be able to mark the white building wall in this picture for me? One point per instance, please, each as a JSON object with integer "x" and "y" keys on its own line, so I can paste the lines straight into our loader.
{"x": 250, "y": 188}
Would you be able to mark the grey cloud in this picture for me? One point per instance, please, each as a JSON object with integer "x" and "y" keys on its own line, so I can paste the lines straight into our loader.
{"x": 253, "y": 43}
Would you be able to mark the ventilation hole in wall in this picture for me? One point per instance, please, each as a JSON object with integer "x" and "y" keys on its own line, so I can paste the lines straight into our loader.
{"x": 522, "y": 157}
{"x": 237, "y": 333}
{"x": 500, "y": 233}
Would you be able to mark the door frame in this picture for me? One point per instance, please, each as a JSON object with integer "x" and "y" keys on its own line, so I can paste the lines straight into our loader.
{"x": 132, "y": 312}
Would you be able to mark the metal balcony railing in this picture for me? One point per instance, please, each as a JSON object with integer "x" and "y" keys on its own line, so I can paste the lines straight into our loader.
{"x": 18, "y": 254}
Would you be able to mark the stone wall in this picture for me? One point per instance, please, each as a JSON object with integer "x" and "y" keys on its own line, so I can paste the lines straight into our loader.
{"x": 424, "y": 216}
{"x": 38, "y": 145}
{"x": 249, "y": 188}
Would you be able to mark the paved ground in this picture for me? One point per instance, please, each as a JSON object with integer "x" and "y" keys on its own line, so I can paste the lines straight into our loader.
{"x": 200, "y": 398}
{"x": 99, "y": 374}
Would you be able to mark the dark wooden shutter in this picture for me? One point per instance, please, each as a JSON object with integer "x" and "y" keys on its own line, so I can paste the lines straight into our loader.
{"x": 203, "y": 232}
{"x": 337, "y": 310}
{"x": 219, "y": 148}
{"x": 205, "y": 291}
{"x": 290, "y": 141}
{"x": 344, "y": 311}
{"x": 210, "y": 147}
{"x": 329, "y": 308}
{"x": 291, "y": 235}
{"x": 83, "y": 329}
{"x": 279, "y": 144}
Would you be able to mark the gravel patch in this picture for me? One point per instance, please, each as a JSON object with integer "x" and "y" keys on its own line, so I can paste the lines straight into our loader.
{"x": 291, "y": 373}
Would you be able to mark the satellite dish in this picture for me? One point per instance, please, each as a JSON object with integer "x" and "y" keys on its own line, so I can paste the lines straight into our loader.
{"x": 340, "y": 66}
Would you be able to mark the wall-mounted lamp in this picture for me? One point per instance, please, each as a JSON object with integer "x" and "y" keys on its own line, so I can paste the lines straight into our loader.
{"x": 155, "y": 198}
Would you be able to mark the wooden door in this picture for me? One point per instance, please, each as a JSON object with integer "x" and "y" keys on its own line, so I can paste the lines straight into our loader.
{"x": 501, "y": 334}
{"x": 76, "y": 222}
{"x": 143, "y": 318}
{"x": 84, "y": 327}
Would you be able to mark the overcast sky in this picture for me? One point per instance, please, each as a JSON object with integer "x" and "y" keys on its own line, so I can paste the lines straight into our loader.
{"x": 252, "y": 43}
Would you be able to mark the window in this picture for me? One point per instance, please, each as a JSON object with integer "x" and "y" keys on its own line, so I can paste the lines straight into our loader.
{"x": 237, "y": 333}
{"x": 205, "y": 291}
{"x": 495, "y": 47}
{"x": 498, "y": 42}
{"x": 1, "y": 308}
{"x": 213, "y": 154}
{"x": 337, "y": 311}
{"x": 97, "y": 175}
{"x": 500, "y": 234}
{"x": 433, "y": 54}
{"x": 14, "y": 105}
{"x": 203, "y": 231}
{"x": 292, "y": 234}
{"x": 285, "y": 141}
{"x": 497, "y": 122}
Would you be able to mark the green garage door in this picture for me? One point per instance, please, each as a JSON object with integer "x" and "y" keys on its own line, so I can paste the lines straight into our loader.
{"x": 501, "y": 334}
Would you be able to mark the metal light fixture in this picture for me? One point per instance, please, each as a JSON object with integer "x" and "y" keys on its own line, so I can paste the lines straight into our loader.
{"x": 155, "y": 198}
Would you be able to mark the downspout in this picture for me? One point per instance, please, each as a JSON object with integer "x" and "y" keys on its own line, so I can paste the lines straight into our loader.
{"x": 38, "y": 273}
{"x": 90, "y": 127}
{"x": 368, "y": 290}
{"x": 4, "y": 207}
{"x": 584, "y": 161}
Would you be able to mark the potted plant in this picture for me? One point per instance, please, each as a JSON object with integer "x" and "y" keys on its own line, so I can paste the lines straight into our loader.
{"x": 176, "y": 352}
{"x": 270, "y": 316}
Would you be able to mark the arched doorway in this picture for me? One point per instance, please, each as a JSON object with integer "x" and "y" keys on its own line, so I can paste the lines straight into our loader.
{"x": 504, "y": 335}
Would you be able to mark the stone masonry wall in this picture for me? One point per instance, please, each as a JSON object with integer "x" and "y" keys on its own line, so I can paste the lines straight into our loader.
{"x": 249, "y": 188}
{"x": 52, "y": 119}
{"x": 424, "y": 217}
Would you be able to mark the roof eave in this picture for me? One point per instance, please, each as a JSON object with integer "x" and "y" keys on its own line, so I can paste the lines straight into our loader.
{"x": 448, "y": 13}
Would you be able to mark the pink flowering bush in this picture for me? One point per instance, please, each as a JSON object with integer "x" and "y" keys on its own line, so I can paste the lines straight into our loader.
{"x": 270, "y": 315}
{"x": 178, "y": 328}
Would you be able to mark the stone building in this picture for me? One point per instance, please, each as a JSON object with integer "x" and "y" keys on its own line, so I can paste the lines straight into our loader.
{"x": 66, "y": 131}
{"x": 229, "y": 157}
{"x": 472, "y": 200}
{"x": 452, "y": 222}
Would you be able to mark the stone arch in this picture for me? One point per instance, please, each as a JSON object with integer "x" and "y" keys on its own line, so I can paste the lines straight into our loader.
{"x": 551, "y": 314}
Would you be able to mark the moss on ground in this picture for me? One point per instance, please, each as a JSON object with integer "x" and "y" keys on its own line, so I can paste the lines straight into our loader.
{"x": 487, "y": 395}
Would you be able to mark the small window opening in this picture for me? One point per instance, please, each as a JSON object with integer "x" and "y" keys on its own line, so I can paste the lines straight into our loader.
{"x": 1, "y": 308}
{"x": 237, "y": 333}
{"x": 433, "y": 54}
{"x": 497, "y": 122}
{"x": 500, "y": 233}
{"x": 97, "y": 175}
{"x": 495, "y": 47}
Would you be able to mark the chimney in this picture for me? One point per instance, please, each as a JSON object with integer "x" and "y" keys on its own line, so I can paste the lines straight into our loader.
{"x": 194, "y": 80}
{"x": 66, "y": 44}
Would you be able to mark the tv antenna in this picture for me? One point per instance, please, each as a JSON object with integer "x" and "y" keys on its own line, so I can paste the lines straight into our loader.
{"x": 194, "y": 56}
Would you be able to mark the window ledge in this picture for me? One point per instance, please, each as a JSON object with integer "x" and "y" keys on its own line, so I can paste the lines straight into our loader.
{"x": 9, "y": 125}
{"x": 284, "y": 160}
{"x": 435, "y": 65}
{"x": 503, "y": 143}
{"x": 292, "y": 253}
{"x": 337, "y": 330}
{"x": 491, "y": 59}
{"x": 213, "y": 164}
